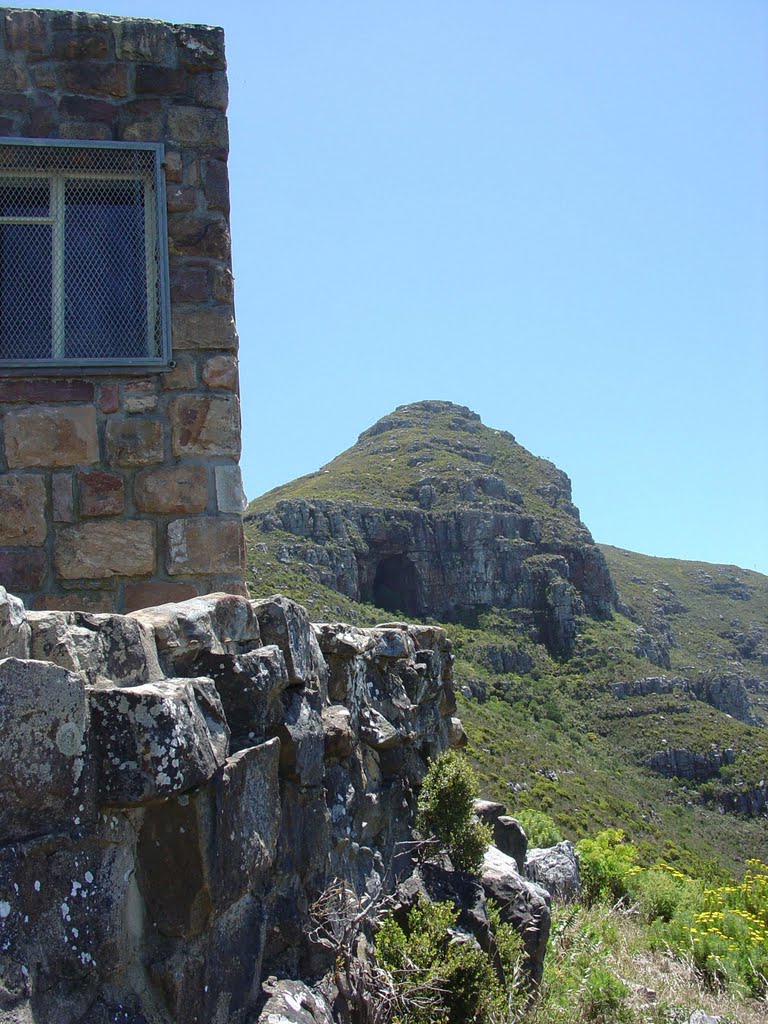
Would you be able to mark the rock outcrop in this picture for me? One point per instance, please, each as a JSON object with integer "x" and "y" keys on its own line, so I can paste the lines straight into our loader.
{"x": 179, "y": 784}
{"x": 469, "y": 521}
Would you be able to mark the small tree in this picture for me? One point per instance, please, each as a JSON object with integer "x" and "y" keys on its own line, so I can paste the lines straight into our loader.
{"x": 445, "y": 813}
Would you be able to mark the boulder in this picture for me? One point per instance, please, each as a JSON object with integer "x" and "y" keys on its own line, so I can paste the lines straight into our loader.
{"x": 488, "y": 811}
{"x": 523, "y": 904}
{"x": 337, "y": 731}
{"x": 14, "y": 628}
{"x": 43, "y": 757}
{"x": 509, "y": 836}
{"x": 556, "y": 869}
{"x": 219, "y": 623}
{"x": 293, "y": 1002}
{"x": 156, "y": 740}
{"x": 284, "y": 623}
{"x": 110, "y": 650}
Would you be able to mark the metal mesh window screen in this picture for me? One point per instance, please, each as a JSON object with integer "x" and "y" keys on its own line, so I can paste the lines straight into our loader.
{"x": 82, "y": 254}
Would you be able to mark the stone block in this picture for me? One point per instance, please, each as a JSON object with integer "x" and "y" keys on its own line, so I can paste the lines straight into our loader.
{"x": 26, "y": 30}
{"x": 109, "y": 398}
{"x": 174, "y": 165}
{"x": 150, "y": 595}
{"x": 70, "y": 45}
{"x": 43, "y": 390}
{"x": 192, "y": 235}
{"x": 77, "y": 601}
{"x": 146, "y": 41}
{"x": 205, "y": 545}
{"x": 134, "y": 442}
{"x": 223, "y": 285}
{"x": 22, "y": 509}
{"x": 91, "y": 78}
{"x": 15, "y": 634}
{"x": 216, "y": 185}
{"x": 205, "y": 425}
{"x": 140, "y": 396}
{"x": 179, "y": 199}
{"x": 210, "y": 89}
{"x": 154, "y": 740}
{"x": 100, "y": 550}
{"x": 23, "y": 569}
{"x": 230, "y": 496}
{"x": 172, "y": 490}
{"x": 213, "y": 327}
{"x": 43, "y": 721}
{"x": 101, "y": 494}
{"x": 84, "y": 130}
{"x": 160, "y": 81}
{"x": 13, "y": 76}
{"x": 45, "y": 76}
{"x": 62, "y": 498}
{"x": 147, "y": 129}
{"x": 88, "y": 109}
{"x": 221, "y": 372}
{"x": 183, "y": 376}
{"x": 189, "y": 284}
{"x": 197, "y": 128}
{"x": 50, "y": 436}
{"x": 200, "y": 48}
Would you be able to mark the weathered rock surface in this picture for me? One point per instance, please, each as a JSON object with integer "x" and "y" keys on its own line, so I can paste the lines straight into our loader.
{"x": 556, "y": 869}
{"x": 178, "y": 785}
{"x": 522, "y": 903}
{"x": 690, "y": 764}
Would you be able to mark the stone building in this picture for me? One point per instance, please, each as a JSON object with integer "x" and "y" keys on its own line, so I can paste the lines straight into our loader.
{"x": 119, "y": 410}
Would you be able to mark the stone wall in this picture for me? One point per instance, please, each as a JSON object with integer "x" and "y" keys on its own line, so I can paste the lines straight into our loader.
{"x": 120, "y": 491}
{"x": 177, "y": 785}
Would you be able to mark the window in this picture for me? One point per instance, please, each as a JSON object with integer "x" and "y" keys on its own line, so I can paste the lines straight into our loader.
{"x": 83, "y": 255}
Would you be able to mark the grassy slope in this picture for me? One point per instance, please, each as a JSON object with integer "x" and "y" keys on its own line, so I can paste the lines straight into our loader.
{"x": 552, "y": 735}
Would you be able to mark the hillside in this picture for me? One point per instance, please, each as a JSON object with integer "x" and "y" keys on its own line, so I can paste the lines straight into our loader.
{"x": 604, "y": 686}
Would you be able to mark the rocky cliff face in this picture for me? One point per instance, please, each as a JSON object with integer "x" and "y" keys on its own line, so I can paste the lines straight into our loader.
{"x": 180, "y": 783}
{"x": 448, "y": 518}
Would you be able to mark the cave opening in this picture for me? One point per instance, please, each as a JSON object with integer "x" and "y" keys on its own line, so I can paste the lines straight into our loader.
{"x": 395, "y": 585}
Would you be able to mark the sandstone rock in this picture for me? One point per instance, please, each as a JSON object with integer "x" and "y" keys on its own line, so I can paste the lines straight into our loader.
{"x": 14, "y": 629}
{"x": 51, "y": 436}
{"x": 172, "y": 491}
{"x": 205, "y": 425}
{"x": 206, "y": 328}
{"x": 134, "y": 442}
{"x": 509, "y": 837}
{"x": 62, "y": 498}
{"x": 22, "y": 509}
{"x": 556, "y": 869}
{"x": 205, "y": 545}
{"x": 220, "y": 372}
{"x": 219, "y": 623}
{"x": 156, "y": 740}
{"x": 43, "y": 720}
{"x": 230, "y": 496}
{"x": 523, "y": 904}
{"x": 145, "y": 594}
{"x": 293, "y": 1002}
{"x": 101, "y": 494}
{"x": 106, "y": 649}
{"x": 100, "y": 550}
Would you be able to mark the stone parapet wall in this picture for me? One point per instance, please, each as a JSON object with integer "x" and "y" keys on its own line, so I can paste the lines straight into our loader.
{"x": 118, "y": 491}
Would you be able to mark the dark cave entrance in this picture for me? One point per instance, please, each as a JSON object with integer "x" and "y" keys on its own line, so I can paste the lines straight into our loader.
{"x": 395, "y": 585}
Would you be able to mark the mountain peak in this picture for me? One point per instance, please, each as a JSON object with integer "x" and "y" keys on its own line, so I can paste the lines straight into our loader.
{"x": 426, "y": 413}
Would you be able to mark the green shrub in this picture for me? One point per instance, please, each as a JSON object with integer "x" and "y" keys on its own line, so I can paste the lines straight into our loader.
{"x": 445, "y": 811}
{"x": 607, "y": 862}
{"x": 440, "y": 978}
{"x": 540, "y": 828}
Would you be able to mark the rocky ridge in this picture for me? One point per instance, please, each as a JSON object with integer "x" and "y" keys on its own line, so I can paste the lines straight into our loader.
{"x": 431, "y": 513}
{"x": 181, "y": 783}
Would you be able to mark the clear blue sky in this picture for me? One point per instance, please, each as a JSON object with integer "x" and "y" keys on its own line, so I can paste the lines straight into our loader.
{"x": 553, "y": 212}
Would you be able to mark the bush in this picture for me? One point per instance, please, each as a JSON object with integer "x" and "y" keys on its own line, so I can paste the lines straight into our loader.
{"x": 445, "y": 812}
{"x": 442, "y": 978}
{"x": 607, "y": 862}
{"x": 540, "y": 829}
